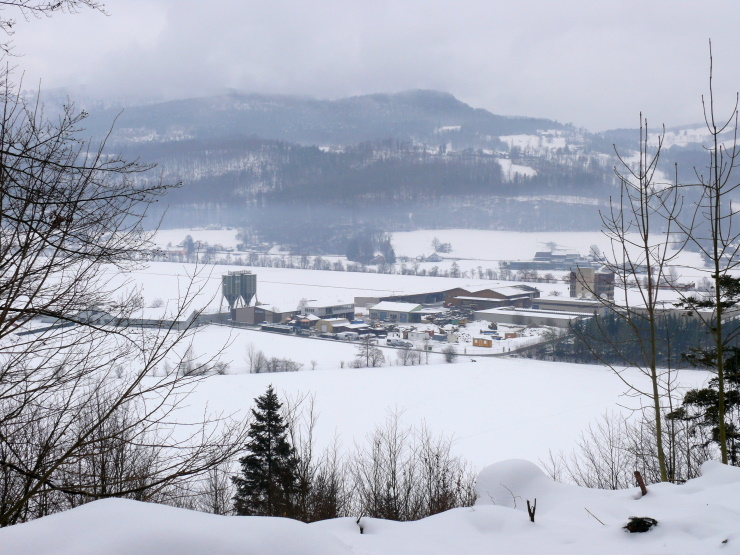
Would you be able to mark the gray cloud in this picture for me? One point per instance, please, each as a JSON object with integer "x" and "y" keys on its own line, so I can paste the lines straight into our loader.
{"x": 595, "y": 64}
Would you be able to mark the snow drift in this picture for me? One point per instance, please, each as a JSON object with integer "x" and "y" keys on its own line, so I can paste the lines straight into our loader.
{"x": 701, "y": 516}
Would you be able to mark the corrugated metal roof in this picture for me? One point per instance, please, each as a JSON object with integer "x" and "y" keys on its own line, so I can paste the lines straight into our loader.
{"x": 390, "y": 306}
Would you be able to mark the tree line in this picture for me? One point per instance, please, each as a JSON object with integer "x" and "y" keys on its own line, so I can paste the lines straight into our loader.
{"x": 399, "y": 473}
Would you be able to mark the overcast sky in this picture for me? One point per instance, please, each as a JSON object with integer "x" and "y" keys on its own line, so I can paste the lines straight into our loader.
{"x": 594, "y": 63}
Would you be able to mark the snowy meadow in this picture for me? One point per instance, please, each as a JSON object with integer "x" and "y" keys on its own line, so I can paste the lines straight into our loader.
{"x": 504, "y": 416}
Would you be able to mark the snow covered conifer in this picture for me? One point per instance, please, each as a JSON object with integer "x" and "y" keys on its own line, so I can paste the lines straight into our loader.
{"x": 268, "y": 482}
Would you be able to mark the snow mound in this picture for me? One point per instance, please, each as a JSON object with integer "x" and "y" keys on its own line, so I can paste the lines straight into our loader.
{"x": 696, "y": 517}
{"x": 701, "y": 516}
{"x": 506, "y": 482}
{"x": 121, "y": 526}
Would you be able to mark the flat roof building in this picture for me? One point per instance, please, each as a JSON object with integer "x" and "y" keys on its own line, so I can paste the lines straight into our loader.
{"x": 339, "y": 310}
{"x": 388, "y": 311}
{"x": 529, "y": 316}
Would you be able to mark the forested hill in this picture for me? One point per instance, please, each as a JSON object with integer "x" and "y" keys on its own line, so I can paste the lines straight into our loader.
{"x": 417, "y": 158}
{"x": 418, "y": 116}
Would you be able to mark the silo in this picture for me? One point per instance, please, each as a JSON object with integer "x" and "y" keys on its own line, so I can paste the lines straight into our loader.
{"x": 241, "y": 284}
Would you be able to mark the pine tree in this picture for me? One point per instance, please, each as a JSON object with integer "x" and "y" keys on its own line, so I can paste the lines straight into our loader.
{"x": 717, "y": 406}
{"x": 268, "y": 483}
{"x": 701, "y": 409}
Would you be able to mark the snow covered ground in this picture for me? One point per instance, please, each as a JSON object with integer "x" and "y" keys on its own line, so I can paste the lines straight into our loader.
{"x": 511, "y": 170}
{"x": 508, "y": 403}
{"x": 490, "y": 246}
{"x": 494, "y": 408}
{"x": 284, "y": 288}
{"x": 471, "y": 248}
{"x": 701, "y": 516}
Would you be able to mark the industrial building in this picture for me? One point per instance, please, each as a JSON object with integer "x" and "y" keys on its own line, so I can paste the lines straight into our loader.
{"x": 388, "y": 311}
{"x": 256, "y": 315}
{"x": 333, "y": 325}
{"x": 571, "y": 304}
{"x": 529, "y": 316}
{"x": 552, "y": 261}
{"x": 591, "y": 283}
{"x": 491, "y": 297}
{"x": 427, "y": 297}
{"x": 339, "y": 310}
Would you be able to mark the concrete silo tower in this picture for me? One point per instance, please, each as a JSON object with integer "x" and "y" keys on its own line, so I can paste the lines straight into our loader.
{"x": 239, "y": 288}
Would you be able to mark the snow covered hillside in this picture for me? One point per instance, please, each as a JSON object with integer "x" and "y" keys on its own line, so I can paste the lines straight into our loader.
{"x": 494, "y": 408}
{"x": 701, "y": 516}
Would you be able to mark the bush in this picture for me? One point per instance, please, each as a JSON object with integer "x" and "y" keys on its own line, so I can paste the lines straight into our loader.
{"x": 450, "y": 353}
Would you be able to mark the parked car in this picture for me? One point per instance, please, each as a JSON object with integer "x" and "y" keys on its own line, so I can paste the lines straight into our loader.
{"x": 393, "y": 342}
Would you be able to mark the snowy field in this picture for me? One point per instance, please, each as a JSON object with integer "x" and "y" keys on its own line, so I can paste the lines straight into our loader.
{"x": 284, "y": 288}
{"x": 488, "y": 247}
{"x": 471, "y": 248}
{"x": 495, "y": 408}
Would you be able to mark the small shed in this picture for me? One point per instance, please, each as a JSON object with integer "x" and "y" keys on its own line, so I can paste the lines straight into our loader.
{"x": 332, "y": 325}
{"x": 418, "y": 335}
{"x": 482, "y": 341}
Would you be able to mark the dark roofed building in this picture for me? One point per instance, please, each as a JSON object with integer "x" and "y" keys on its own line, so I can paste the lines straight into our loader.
{"x": 491, "y": 297}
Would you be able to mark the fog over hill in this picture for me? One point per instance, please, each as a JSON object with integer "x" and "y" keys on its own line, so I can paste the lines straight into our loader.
{"x": 421, "y": 116}
{"x": 281, "y": 165}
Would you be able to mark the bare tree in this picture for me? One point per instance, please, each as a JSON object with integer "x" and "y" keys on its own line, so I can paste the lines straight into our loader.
{"x": 323, "y": 487}
{"x": 638, "y": 225}
{"x": 213, "y": 492}
{"x": 404, "y": 356}
{"x": 78, "y": 391}
{"x": 256, "y": 360}
{"x": 368, "y": 354}
{"x": 610, "y": 450}
{"x": 404, "y": 473}
{"x": 38, "y": 8}
{"x": 408, "y": 356}
{"x": 711, "y": 231}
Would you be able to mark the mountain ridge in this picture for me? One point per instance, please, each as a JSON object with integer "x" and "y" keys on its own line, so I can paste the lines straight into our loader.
{"x": 368, "y": 161}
